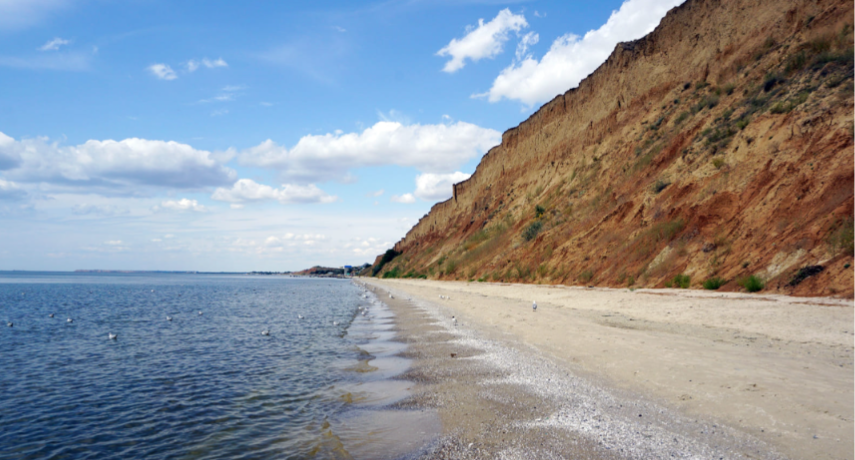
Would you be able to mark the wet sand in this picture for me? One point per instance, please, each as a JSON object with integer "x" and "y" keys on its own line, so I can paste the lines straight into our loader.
{"x": 610, "y": 373}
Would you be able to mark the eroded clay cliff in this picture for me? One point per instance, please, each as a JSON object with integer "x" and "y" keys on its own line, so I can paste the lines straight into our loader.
{"x": 718, "y": 147}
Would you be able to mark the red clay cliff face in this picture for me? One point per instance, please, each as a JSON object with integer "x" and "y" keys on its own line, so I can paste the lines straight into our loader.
{"x": 718, "y": 146}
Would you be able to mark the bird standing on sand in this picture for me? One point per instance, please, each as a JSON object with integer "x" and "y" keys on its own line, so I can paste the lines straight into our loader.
{"x": 454, "y": 320}
{"x": 390, "y": 296}
{"x": 112, "y": 336}
{"x": 533, "y": 305}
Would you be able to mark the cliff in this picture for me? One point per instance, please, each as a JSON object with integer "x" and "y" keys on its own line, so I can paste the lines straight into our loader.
{"x": 717, "y": 149}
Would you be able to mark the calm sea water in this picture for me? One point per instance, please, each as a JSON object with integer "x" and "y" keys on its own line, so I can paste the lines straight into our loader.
{"x": 199, "y": 386}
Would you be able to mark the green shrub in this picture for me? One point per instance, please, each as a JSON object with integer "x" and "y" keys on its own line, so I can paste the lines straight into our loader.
{"x": 741, "y": 124}
{"x": 586, "y": 275}
{"x": 681, "y": 118}
{"x": 718, "y": 163}
{"x": 752, "y": 283}
{"x": 728, "y": 88}
{"x": 681, "y": 281}
{"x": 387, "y": 257}
{"x": 660, "y": 185}
{"x": 451, "y": 267}
{"x": 482, "y": 279}
{"x": 841, "y": 240}
{"x": 532, "y": 230}
{"x": 714, "y": 283}
{"x": 538, "y": 211}
{"x": 393, "y": 273}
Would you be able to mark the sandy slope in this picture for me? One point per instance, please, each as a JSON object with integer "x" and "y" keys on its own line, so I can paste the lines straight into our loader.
{"x": 778, "y": 368}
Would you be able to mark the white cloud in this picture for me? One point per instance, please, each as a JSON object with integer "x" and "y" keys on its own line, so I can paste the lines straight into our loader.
{"x": 484, "y": 41}
{"x": 102, "y": 210}
{"x": 219, "y": 112}
{"x": 162, "y": 71}
{"x": 247, "y": 190}
{"x": 183, "y": 204}
{"x": 74, "y": 62}
{"x": 406, "y": 198}
{"x": 437, "y": 187}
{"x": 118, "y": 166}
{"x": 54, "y": 44}
{"x": 10, "y": 153}
{"x": 340, "y": 29}
{"x": 432, "y": 148}
{"x": 571, "y": 58}
{"x": 232, "y": 88}
{"x": 10, "y": 191}
{"x": 375, "y": 194}
{"x": 113, "y": 243}
{"x": 527, "y": 40}
{"x": 193, "y": 64}
{"x": 19, "y": 14}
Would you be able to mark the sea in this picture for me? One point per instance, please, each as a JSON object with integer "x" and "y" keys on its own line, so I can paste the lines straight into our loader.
{"x": 191, "y": 375}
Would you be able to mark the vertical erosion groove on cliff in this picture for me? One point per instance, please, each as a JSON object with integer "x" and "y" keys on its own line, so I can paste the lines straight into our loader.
{"x": 719, "y": 146}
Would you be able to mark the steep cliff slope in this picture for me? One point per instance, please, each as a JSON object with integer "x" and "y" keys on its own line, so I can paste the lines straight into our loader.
{"x": 717, "y": 149}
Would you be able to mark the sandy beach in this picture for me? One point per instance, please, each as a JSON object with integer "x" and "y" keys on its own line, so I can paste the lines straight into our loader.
{"x": 614, "y": 373}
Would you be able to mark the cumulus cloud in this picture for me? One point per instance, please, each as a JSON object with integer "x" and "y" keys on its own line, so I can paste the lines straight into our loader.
{"x": 247, "y": 190}
{"x": 571, "y": 58}
{"x": 10, "y": 191}
{"x": 375, "y": 194}
{"x": 431, "y": 148}
{"x": 162, "y": 71}
{"x": 484, "y": 41}
{"x": 193, "y": 64}
{"x": 437, "y": 187}
{"x": 113, "y": 164}
{"x": 183, "y": 204}
{"x": 53, "y": 45}
{"x": 406, "y": 198}
{"x": 10, "y": 152}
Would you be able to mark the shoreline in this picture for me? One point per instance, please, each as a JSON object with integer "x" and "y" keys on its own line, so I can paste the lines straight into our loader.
{"x": 723, "y": 374}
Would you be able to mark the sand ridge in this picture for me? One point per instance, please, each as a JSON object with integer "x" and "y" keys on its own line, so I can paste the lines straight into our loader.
{"x": 773, "y": 367}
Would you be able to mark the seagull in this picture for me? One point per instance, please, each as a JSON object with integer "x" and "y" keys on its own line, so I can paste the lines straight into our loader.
{"x": 299, "y": 316}
{"x": 533, "y": 306}
{"x": 69, "y": 320}
{"x": 112, "y": 336}
{"x": 10, "y": 324}
{"x": 265, "y": 332}
{"x": 169, "y": 318}
{"x": 454, "y": 320}
{"x": 200, "y": 312}
{"x": 364, "y": 312}
{"x": 335, "y": 323}
{"x": 50, "y": 315}
{"x": 390, "y": 296}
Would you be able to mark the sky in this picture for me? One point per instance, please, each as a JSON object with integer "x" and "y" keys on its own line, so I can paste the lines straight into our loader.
{"x": 235, "y": 136}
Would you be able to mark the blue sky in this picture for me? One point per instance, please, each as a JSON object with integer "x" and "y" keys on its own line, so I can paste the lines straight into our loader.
{"x": 226, "y": 136}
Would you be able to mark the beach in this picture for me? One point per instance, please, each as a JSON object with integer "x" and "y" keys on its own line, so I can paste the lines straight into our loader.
{"x": 615, "y": 373}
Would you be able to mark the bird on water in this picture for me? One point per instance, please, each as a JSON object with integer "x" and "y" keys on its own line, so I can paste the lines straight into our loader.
{"x": 112, "y": 336}
{"x": 265, "y": 332}
{"x": 10, "y": 324}
{"x": 50, "y": 315}
{"x": 69, "y": 320}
